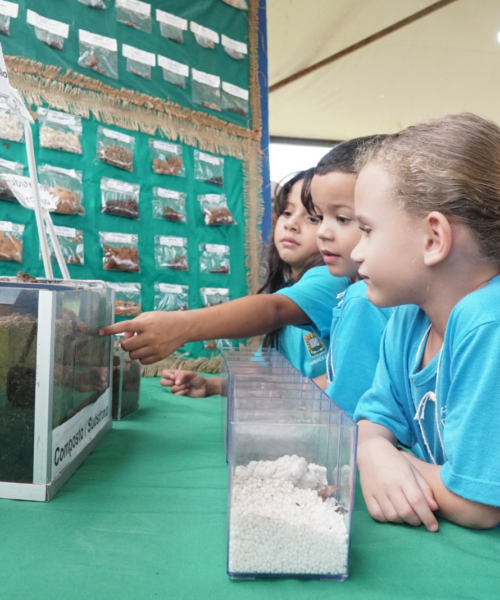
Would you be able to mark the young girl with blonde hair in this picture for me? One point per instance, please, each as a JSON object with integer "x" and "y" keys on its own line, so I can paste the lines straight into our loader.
{"x": 428, "y": 203}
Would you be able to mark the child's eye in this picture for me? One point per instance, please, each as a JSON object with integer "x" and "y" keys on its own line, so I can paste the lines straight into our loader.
{"x": 365, "y": 230}
{"x": 313, "y": 220}
{"x": 343, "y": 220}
{"x": 287, "y": 213}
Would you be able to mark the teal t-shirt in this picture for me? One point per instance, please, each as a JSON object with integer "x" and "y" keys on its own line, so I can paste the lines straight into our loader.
{"x": 357, "y": 328}
{"x": 450, "y": 409}
{"x": 306, "y": 345}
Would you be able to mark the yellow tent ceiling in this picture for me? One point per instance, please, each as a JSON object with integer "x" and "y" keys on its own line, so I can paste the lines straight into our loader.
{"x": 446, "y": 62}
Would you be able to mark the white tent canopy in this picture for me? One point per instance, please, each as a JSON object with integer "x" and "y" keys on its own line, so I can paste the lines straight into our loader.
{"x": 446, "y": 62}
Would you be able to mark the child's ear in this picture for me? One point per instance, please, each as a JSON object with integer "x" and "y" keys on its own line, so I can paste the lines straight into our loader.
{"x": 438, "y": 238}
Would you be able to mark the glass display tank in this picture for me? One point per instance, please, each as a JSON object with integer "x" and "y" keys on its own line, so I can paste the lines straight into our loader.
{"x": 55, "y": 382}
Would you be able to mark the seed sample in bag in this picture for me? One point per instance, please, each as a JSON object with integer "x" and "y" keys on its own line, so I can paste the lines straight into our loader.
{"x": 171, "y": 26}
{"x": 234, "y": 99}
{"x": 209, "y": 168}
{"x": 169, "y": 205}
{"x": 11, "y": 127}
{"x": 10, "y": 168}
{"x": 99, "y": 4}
{"x": 214, "y": 296}
{"x": 205, "y": 89}
{"x": 215, "y": 209}
{"x": 166, "y": 158}
{"x": 170, "y": 297}
{"x": 173, "y": 71}
{"x": 120, "y": 251}
{"x": 11, "y": 241}
{"x": 214, "y": 258}
{"x": 99, "y": 53}
{"x": 115, "y": 148}
{"x": 71, "y": 243}
{"x": 50, "y": 32}
{"x": 241, "y": 4}
{"x": 139, "y": 62}
{"x": 60, "y": 131}
{"x": 134, "y": 13}
{"x": 119, "y": 198}
{"x": 8, "y": 11}
{"x": 127, "y": 299}
{"x": 171, "y": 253}
{"x": 206, "y": 38}
{"x": 65, "y": 186}
{"x": 217, "y": 344}
{"x": 236, "y": 50}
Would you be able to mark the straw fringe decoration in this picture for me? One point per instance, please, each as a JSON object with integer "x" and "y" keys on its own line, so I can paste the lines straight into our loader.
{"x": 81, "y": 95}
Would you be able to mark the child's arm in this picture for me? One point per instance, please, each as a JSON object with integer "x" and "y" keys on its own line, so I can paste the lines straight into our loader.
{"x": 393, "y": 488}
{"x": 190, "y": 383}
{"x": 159, "y": 334}
{"x": 451, "y": 506}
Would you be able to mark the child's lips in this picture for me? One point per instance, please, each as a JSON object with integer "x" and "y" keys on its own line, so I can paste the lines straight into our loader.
{"x": 289, "y": 243}
{"x": 329, "y": 257}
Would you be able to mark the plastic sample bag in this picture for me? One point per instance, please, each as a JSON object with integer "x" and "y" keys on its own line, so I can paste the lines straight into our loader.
{"x": 214, "y": 296}
{"x": 236, "y": 50}
{"x": 120, "y": 251}
{"x": 10, "y": 168}
{"x": 170, "y": 297}
{"x": 171, "y": 26}
{"x": 215, "y": 209}
{"x": 99, "y": 4}
{"x": 71, "y": 242}
{"x": 173, "y": 71}
{"x": 205, "y": 89}
{"x": 214, "y": 258}
{"x": 115, "y": 148}
{"x": 127, "y": 299}
{"x": 241, "y": 4}
{"x": 8, "y": 11}
{"x": 66, "y": 187}
{"x": 234, "y": 99}
{"x": 206, "y": 38}
{"x": 60, "y": 131}
{"x": 171, "y": 253}
{"x": 166, "y": 158}
{"x": 119, "y": 198}
{"x": 11, "y": 241}
{"x": 169, "y": 205}
{"x": 139, "y": 62}
{"x": 11, "y": 127}
{"x": 135, "y": 14}
{"x": 99, "y": 53}
{"x": 50, "y": 32}
{"x": 209, "y": 168}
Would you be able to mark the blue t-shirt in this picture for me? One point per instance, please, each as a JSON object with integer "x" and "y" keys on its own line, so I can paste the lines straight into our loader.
{"x": 304, "y": 349}
{"x": 357, "y": 328}
{"x": 315, "y": 294}
{"x": 455, "y": 420}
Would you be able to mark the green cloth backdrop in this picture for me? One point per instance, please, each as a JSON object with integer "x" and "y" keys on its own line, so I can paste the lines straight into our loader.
{"x": 223, "y": 133}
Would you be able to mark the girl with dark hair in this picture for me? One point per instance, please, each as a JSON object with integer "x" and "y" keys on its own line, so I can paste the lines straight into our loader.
{"x": 292, "y": 252}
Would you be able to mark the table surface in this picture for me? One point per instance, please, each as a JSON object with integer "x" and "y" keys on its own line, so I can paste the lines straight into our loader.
{"x": 145, "y": 517}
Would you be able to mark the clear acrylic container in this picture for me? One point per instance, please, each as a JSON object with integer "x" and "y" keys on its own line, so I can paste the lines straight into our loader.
{"x": 55, "y": 384}
{"x": 291, "y": 486}
{"x": 126, "y": 382}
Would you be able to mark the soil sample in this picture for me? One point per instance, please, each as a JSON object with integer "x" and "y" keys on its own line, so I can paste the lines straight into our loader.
{"x": 117, "y": 156}
{"x": 126, "y": 308}
{"x": 219, "y": 216}
{"x": 122, "y": 208}
{"x": 121, "y": 259}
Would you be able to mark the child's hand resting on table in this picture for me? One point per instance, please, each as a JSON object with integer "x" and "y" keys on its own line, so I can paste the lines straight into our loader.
{"x": 190, "y": 384}
{"x": 392, "y": 487}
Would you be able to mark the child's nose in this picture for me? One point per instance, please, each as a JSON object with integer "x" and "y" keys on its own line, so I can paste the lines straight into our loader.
{"x": 357, "y": 254}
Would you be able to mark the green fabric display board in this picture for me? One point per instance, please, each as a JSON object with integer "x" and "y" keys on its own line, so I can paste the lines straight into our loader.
{"x": 144, "y": 108}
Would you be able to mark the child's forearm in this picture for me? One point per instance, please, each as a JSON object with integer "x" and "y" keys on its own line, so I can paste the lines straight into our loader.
{"x": 369, "y": 432}
{"x": 245, "y": 317}
{"x": 451, "y": 506}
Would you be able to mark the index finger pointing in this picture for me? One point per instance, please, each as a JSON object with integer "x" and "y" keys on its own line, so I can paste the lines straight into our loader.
{"x": 123, "y": 327}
